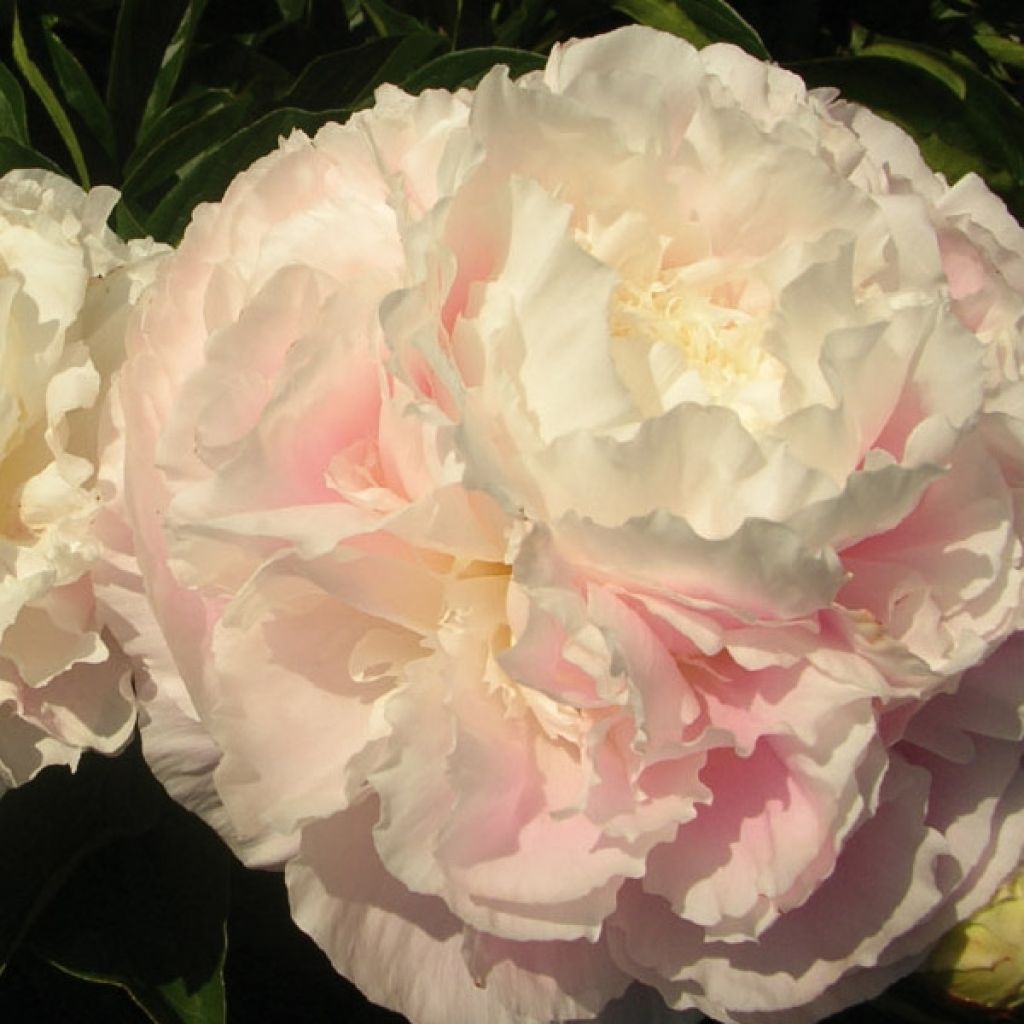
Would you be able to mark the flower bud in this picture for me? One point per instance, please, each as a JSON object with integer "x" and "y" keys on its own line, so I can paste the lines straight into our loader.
{"x": 982, "y": 959}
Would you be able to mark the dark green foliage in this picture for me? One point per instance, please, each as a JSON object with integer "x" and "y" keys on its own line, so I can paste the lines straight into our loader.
{"x": 152, "y": 97}
{"x": 104, "y": 878}
{"x": 168, "y": 101}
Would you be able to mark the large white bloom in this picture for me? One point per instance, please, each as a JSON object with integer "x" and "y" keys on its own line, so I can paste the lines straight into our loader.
{"x": 584, "y": 519}
{"x": 66, "y": 285}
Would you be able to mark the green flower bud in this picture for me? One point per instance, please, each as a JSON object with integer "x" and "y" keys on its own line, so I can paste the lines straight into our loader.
{"x": 982, "y": 959}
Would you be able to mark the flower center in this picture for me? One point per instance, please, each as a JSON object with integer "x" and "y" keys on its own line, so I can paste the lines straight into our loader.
{"x": 674, "y": 342}
{"x": 721, "y": 344}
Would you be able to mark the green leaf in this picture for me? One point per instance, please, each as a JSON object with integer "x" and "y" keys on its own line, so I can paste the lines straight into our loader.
{"x": 522, "y": 22}
{"x": 389, "y": 21}
{"x": 154, "y": 165}
{"x": 49, "y": 100}
{"x": 928, "y": 60}
{"x": 354, "y": 13}
{"x": 35, "y": 992}
{"x": 1007, "y": 51}
{"x": 127, "y": 222}
{"x": 14, "y": 155}
{"x": 292, "y": 10}
{"x": 79, "y": 91}
{"x": 208, "y": 176}
{"x": 174, "y": 57}
{"x": 346, "y": 78}
{"x": 139, "y": 47}
{"x": 699, "y": 21}
{"x": 447, "y": 15}
{"x": 467, "y": 67}
{"x": 177, "y": 116}
{"x": 13, "y": 124}
{"x": 465, "y": 23}
{"x": 50, "y": 824}
{"x": 147, "y": 913}
{"x": 337, "y": 79}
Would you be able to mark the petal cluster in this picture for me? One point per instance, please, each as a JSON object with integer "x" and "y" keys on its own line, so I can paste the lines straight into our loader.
{"x": 581, "y": 519}
{"x": 66, "y": 287}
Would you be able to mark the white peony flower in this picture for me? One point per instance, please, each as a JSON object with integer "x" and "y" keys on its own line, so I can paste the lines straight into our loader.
{"x": 66, "y": 285}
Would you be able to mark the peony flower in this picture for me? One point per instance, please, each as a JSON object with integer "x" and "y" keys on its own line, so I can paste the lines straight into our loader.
{"x": 66, "y": 284}
{"x": 982, "y": 959}
{"x": 581, "y": 519}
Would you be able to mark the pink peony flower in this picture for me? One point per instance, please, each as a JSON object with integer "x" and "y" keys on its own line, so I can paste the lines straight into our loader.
{"x": 66, "y": 286}
{"x": 582, "y": 523}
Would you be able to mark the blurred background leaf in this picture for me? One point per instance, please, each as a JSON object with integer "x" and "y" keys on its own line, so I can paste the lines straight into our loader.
{"x": 48, "y": 827}
{"x": 147, "y": 914}
{"x": 467, "y": 67}
{"x": 700, "y": 21}
{"x": 47, "y": 96}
